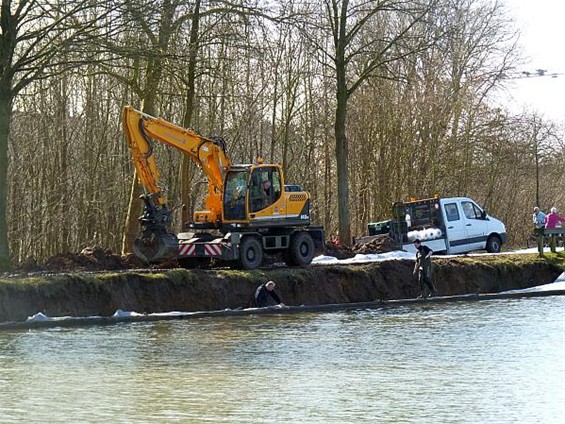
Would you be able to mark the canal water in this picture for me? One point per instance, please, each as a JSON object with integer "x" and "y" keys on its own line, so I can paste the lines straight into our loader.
{"x": 500, "y": 361}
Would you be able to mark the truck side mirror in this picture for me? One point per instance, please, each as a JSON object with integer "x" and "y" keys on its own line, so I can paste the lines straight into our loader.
{"x": 484, "y": 215}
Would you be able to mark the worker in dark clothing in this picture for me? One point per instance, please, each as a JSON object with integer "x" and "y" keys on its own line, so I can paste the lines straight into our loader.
{"x": 265, "y": 295}
{"x": 423, "y": 269}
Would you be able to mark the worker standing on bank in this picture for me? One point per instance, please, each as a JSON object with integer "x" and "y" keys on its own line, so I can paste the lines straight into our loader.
{"x": 265, "y": 295}
{"x": 423, "y": 269}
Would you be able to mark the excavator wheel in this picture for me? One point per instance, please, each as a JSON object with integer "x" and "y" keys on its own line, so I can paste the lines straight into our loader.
{"x": 301, "y": 250}
{"x": 250, "y": 253}
{"x": 156, "y": 248}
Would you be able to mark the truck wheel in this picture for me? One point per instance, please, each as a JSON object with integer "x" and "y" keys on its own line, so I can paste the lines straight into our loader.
{"x": 494, "y": 245}
{"x": 301, "y": 250}
{"x": 250, "y": 253}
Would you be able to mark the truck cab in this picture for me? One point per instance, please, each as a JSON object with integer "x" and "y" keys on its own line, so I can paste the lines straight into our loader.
{"x": 449, "y": 225}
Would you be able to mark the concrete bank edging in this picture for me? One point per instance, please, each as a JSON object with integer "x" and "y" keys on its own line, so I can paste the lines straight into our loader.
{"x": 335, "y": 307}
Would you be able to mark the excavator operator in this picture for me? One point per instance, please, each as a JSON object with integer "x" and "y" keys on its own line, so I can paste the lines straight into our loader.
{"x": 267, "y": 193}
{"x": 261, "y": 192}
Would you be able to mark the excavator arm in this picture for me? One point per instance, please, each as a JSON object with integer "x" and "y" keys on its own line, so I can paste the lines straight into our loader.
{"x": 156, "y": 242}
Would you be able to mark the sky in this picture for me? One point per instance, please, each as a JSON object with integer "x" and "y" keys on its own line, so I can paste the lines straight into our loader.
{"x": 541, "y": 24}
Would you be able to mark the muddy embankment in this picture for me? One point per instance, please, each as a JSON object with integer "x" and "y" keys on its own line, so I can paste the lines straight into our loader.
{"x": 81, "y": 294}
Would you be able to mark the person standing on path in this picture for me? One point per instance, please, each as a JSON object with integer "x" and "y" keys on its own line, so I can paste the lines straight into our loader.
{"x": 551, "y": 221}
{"x": 423, "y": 269}
{"x": 538, "y": 219}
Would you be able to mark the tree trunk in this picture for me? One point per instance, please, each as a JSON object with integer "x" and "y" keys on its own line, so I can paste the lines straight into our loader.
{"x": 5, "y": 116}
{"x": 341, "y": 147}
{"x": 135, "y": 207}
{"x": 149, "y": 99}
{"x": 341, "y": 152}
{"x": 187, "y": 166}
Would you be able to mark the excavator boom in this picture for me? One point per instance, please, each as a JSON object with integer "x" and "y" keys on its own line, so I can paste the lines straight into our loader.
{"x": 209, "y": 154}
{"x": 156, "y": 242}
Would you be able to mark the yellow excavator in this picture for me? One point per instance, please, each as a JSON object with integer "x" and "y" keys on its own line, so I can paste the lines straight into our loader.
{"x": 249, "y": 211}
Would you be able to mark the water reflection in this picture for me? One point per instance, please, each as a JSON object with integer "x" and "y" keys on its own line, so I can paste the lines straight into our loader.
{"x": 497, "y": 361}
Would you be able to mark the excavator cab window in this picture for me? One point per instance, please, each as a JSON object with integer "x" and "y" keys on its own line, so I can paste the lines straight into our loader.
{"x": 265, "y": 188}
{"x": 234, "y": 196}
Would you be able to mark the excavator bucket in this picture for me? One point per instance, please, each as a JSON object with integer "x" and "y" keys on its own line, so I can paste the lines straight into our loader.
{"x": 156, "y": 247}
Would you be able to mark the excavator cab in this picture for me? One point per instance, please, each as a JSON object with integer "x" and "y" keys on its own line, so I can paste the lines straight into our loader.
{"x": 253, "y": 192}
{"x": 264, "y": 188}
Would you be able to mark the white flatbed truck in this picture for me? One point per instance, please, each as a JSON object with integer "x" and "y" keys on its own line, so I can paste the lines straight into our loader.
{"x": 448, "y": 225}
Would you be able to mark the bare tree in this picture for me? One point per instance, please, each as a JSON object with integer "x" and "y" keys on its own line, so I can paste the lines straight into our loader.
{"x": 157, "y": 28}
{"x": 418, "y": 121}
{"x": 38, "y": 38}
{"x": 358, "y": 52}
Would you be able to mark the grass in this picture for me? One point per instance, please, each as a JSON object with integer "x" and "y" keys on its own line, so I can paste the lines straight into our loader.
{"x": 238, "y": 273}
{"x": 557, "y": 259}
{"x": 260, "y": 275}
{"x": 510, "y": 260}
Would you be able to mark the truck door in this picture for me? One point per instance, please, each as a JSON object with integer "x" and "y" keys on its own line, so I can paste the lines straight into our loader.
{"x": 455, "y": 226}
{"x": 475, "y": 225}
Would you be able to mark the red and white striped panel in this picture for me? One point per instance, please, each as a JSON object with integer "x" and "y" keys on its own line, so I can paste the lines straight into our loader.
{"x": 187, "y": 249}
{"x": 213, "y": 249}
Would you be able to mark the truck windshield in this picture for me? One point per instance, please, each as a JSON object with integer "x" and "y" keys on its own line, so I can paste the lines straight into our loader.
{"x": 234, "y": 195}
{"x": 471, "y": 210}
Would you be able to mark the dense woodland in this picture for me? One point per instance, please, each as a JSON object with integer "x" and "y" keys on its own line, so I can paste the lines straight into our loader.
{"x": 363, "y": 102}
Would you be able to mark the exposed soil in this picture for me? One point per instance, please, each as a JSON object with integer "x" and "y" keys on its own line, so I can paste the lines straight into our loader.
{"x": 65, "y": 288}
{"x": 376, "y": 244}
{"x": 364, "y": 246}
{"x": 89, "y": 259}
{"x": 99, "y": 259}
{"x": 80, "y": 294}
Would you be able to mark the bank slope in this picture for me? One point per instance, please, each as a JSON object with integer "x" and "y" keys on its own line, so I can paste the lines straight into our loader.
{"x": 76, "y": 294}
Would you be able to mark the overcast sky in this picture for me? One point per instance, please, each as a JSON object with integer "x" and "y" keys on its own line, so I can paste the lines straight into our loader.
{"x": 542, "y": 27}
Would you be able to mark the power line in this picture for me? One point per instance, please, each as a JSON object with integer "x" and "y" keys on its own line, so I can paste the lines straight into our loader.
{"x": 535, "y": 74}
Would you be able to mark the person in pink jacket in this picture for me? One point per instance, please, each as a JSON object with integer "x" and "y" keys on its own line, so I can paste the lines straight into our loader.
{"x": 551, "y": 219}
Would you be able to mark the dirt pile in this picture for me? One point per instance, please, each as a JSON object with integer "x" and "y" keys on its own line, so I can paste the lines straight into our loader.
{"x": 338, "y": 251}
{"x": 89, "y": 259}
{"x": 381, "y": 243}
{"x": 95, "y": 258}
{"x": 376, "y": 244}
